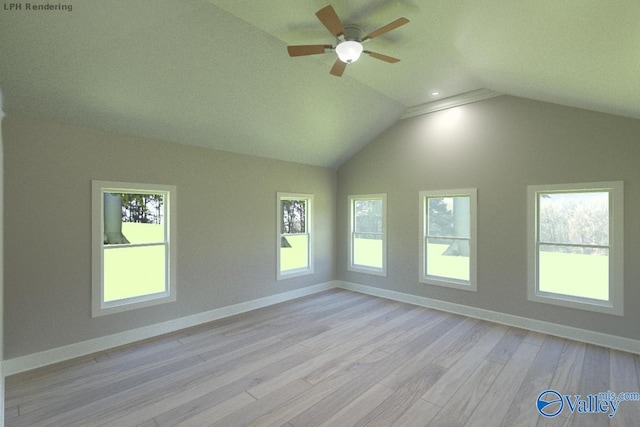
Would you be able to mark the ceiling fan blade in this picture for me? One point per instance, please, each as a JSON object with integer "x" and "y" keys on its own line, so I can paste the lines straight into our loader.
{"x": 329, "y": 19}
{"x": 392, "y": 26}
{"x": 381, "y": 57}
{"x": 338, "y": 68}
{"x": 309, "y": 49}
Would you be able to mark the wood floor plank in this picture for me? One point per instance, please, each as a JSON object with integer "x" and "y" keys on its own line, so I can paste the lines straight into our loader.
{"x": 419, "y": 414}
{"x": 522, "y": 410}
{"x": 462, "y": 404}
{"x": 239, "y": 356}
{"x": 567, "y": 376}
{"x": 428, "y": 320}
{"x": 392, "y": 408}
{"x": 431, "y": 350}
{"x": 554, "y": 422}
{"x": 505, "y": 348}
{"x": 205, "y": 379}
{"x": 399, "y": 309}
{"x": 70, "y": 410}
{"x": 134, "y": 362}
{"x": 423, "y": 335}
{"x": 595, "y": 378}
{"x": 491, "y": 410}
{"x": 364, "y": 374}
{"x": 462, "y": 345}
{"x": 348, "y": 393}
{"x": 45, "y": 388}
{"x": 16, "y": 383}
{"x": 338, "y": 356}
{"x": 367, "y": 320}
{"x": 149, "y": 423}
{"x": 264, "y": 406}
{"x": 351, "y": 391}
{"x": 199, "y": 396}
{"x": 213, "y": 395}
{"x": 333, "y": 358}
{"x": 636, "y": 359}
{"x": 358, "y": 408}
{"x": 429, "y": 332}
{"x": 219, "y": 411}
{"x": 624, "y": 378}
{"x": 293, "y": 311}
{"x": 450, "y": 382}
{"x": 535, "y": 338}
{"x": 371, "y": 363}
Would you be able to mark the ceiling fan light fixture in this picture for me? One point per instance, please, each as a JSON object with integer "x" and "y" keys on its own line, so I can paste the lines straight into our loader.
{"x": 348, "y": 39}
{"x": 349, "y": 51}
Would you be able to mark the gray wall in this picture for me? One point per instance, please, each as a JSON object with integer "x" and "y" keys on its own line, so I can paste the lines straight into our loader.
{"x": 226, "y": 228}
{"x": 1, "y": 267}
{"x": 498, "y": 146}
{"x": 227, "y": 211}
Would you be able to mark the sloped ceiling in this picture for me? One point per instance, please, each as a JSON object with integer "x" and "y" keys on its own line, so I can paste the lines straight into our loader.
{"x": 216, "y": 73}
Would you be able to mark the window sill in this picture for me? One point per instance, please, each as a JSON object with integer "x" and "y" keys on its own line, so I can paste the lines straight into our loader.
{"x": 606, "y": 307}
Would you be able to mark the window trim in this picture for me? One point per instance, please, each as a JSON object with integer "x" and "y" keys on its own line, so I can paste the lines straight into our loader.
{"x": 309, "y": 269}
{"x": 363, "y": 268}
{"x": 615, "y": 304}
{"x": 98, "y": 306}
{"x": 423, "y": 277}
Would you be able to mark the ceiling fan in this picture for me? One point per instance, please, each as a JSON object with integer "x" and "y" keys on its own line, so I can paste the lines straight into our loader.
{"x": 349, "y": 41}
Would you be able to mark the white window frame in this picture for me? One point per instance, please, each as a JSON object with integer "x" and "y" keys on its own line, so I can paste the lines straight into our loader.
{"x": 615, "y": 304}
{"x": 365, "y": 268}
{"x": 287, "y": 274}
{"x": 98, "y": 306}
{"x": 467, "y": 285}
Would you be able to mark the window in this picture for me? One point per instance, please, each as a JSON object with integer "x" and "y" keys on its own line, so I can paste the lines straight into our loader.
{"x": 575, "y": 245}
{"x": 295, "y": 236}
{"x": 368, "y": 242}
{"x": 134, "y": 249}
{"x": 448, "y": 238}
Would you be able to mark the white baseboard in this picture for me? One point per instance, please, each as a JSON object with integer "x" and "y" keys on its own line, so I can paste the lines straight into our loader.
{"x": 577, "y": 334}
{"x": 60, "y": 354}
{"x": 71, "y": 351}
{"x": 1, "y": 381}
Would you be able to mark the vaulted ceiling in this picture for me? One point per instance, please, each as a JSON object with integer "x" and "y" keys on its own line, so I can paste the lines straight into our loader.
{"x": 216, "y": 73}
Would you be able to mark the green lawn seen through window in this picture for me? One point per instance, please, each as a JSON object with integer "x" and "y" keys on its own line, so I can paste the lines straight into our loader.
{"x": 296, "y": 256}
{"x": 367, "y": 252}
{"x": 579, "y": 275}
{"x": 135, "y": 271}
{"x": 447, "y": 266}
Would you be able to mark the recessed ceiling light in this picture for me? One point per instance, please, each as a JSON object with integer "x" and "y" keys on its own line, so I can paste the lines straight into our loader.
{"x": 435, "y": 93}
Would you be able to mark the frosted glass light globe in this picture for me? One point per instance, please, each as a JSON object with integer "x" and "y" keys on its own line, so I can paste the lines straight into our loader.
{"x": 349, "y": 51}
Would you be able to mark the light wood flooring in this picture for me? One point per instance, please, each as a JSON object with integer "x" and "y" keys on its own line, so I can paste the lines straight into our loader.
{"x": 335, "y": 358}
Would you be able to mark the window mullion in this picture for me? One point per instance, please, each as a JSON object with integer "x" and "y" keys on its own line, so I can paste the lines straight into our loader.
{"x": 466, "y": 239}
{"x": 575, "y": 245}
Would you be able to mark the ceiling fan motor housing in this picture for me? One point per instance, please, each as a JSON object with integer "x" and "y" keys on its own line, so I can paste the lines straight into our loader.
{"x": 352, "y": 32}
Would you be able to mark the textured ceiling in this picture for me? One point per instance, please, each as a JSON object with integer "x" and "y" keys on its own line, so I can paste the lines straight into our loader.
{"x": 216, "y": 73}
